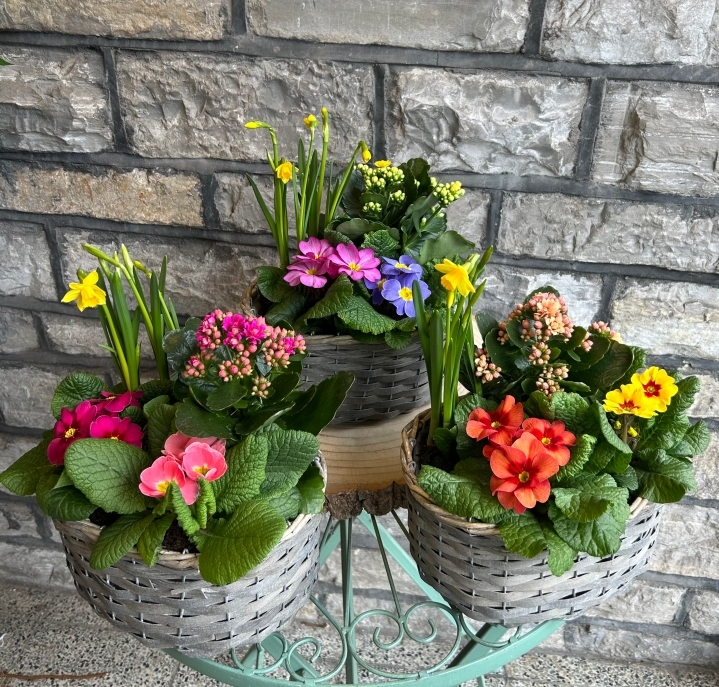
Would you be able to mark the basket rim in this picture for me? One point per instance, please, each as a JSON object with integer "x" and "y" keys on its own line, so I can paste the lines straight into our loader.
{"x": 409, "y": 432}
{"x": 342, "y": 339}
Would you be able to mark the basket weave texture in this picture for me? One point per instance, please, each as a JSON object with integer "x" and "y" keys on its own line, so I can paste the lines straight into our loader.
{"x": 388, "y": 382}
{"x": 170, "y": 606}
{"x": 468, "y": 564}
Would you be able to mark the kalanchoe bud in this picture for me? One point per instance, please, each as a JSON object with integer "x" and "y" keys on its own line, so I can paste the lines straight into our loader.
{"x": 486, "y": 370}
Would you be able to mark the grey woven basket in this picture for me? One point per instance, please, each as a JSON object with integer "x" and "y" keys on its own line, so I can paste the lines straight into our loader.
{"x": 170, "y": 606}
{"x": 388, "y": 382}
{"x": 467, "y": 563}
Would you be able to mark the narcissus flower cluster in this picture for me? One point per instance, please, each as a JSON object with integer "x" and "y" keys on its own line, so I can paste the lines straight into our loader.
{"x": 523, "y": 453}
{"x": 97, "y": 418}
{"x": 184, "y": 461}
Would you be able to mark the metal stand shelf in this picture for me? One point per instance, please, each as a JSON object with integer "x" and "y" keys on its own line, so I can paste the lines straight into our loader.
{"x": 472, "y": 654}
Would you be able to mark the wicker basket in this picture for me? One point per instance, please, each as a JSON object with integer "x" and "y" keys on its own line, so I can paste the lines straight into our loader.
{"x": 170, "y": 606}
{"x": 467, "y": 563}
{"x": 387, "y": 383}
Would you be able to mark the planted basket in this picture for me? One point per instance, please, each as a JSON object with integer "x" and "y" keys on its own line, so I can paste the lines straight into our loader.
{"x": 388, "y": 382}
{"x": 468, "y": 564}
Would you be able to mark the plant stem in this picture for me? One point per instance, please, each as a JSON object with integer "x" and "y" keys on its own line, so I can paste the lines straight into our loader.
{"x": 626, "y": 421}
{"x": 119, "y": 351}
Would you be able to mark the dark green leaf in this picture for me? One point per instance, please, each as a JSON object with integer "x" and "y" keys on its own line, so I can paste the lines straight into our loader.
{"x": 600, "y": 346}
{"x": 117, "y": 539}
{"x": 262, "y": 417}
{"x": 155, "y": 388}
{"x": 66, "y": 503}
{"x": 398, "y": 339}
{"x": 695, "y": 441}
{"x": 287, "y": 504}
{"x": 179, "y": 345}
{"x": 288, "y": 309}
{"x": 358, "y": 227}
{"x": 196, "y": 422}
{"x": 579, "y": 455}
{"x": 271, "y": 283}
{"x": 639, "y": 362}
{"x": 600, "y": 537}
{"x": 572, "y": 409}
{"x": 107, "y": 472}
{"x": 590, "y": 498}
{"x": 607, "y": 432}
{"x": 448, "y": 244}
{"x": 561, "y": 556}
{"x": 226, "y": 395}
{"x": 358, "y": 314}
{"x": 156, "y": 402}
{"x": 322, "y": 406}
{"x": 382, "y": 243}
{"x": 486, "y": 324}
{"x": 522, "y": 534}
{"x": 233, "y": 547}
{"x": 184, "y": 514}
{"x": 663, "y": 478}
{"x": 627, "y": 479}
{"x": 150, "y": 543}
{"x": 246, "y": 465}
{"x": 445, "y": 439}
{"x": 612, "y": 367}
{"x": 75, "y": 389}
{"x": 311, "y": 487}
{"x": 22, "y": 476}
{"x": 335, "y": 238}
{"x": 159, "y": 427}
{"x": 290, "y": 452}
{"x": 336, "y": 298}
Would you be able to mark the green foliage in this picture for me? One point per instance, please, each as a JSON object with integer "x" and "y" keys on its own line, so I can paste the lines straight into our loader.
{"x": 600, "y": 537}
{"x": 579, "y": 455}
{"x": 226, "y": 395}
{"x": 450, "y": 243}
{"x": 150, "y": 543}
{"x": 311, "y": 488}
{"x": 271, "y": 283}
{"x": 663, "y": 478}
{"x": 159, "y": 425}
{"x": 358, "y": 314}
{"x": 672, "y": 425}
{"x": 117, "y": 539}
{"x": 290, "y": 453}
{"x": 382, "y": 243}
{"x": 23, "y": 475}
{"x": 231, "y": 547}
{"x": 589, "y": 499}
{"x": 246, "y": 463}
{"x": 185, "y": 517}
{"x": 695, "y": 441}
{"x": 107, "y": 472}
{"x": 287, "y": 504}
{"x": 607, "y": 432}
{"x": 318, "y": 405}
{"x": 523, "y": 534}
{"x": 613, "y": 366}
{"x": 154, "y": 388}
{"x": 197, "y": 422}
{"x": 561, "y": 556}
{"x": 75, "y": 389}
{"x": 287, "y": 310}
{"x": 179, "y": 344}
{"x": 65, "y": 503}
{"x": 398, "y": 339}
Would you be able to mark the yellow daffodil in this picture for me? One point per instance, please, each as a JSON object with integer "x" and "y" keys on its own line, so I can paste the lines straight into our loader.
{"x": 255, "y": 125}
{"x": 382, "y": 164}
{"x": 366, "y": 155}
{"x": 456, "y": 277}
{"x": 657, "y": 386}
{"x": 87, "y": 294}
{"x": 310, "y": 121}
{"x": 284, "y": 171}
{"x": 630, "y": 400}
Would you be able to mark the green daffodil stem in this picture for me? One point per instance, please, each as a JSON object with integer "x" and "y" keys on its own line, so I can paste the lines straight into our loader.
{"x": 119, "y": 352}
{"x": 323, "y": 167}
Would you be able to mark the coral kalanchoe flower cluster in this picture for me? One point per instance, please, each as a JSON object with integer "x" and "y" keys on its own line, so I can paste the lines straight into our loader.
{"x": 233, "y": 346}
{"x": 543, "y": 316}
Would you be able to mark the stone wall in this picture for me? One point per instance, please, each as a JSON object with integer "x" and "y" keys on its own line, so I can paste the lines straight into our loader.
{"x": 586, "y": 133}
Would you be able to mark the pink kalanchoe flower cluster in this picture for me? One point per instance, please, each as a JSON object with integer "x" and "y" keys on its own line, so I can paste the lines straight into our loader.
{"x": 603, "y": 329}
{"x": 549, "y": 378}
{"x": 319, "y": 261}
{"x": 183, "y": 462}
{"x": 543, "y": 316}
{"x": 485, "y": 369}
{"x": 245, "y": 337}
{"x": 97, "y": 418}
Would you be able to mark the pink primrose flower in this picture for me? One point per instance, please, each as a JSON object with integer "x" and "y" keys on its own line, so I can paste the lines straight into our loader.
{"x": 72, "y": 425}
{"x": 356, "y": 264}
{"x": 308, "y": 272}
{"x": 116, "y": 403}
{"x": 316, "y": 249}
{"x": 156, "y": 480}
{"x": 176, "y": 445}
{"x": 120, "y": 429}
{"x": 201, "y": 460}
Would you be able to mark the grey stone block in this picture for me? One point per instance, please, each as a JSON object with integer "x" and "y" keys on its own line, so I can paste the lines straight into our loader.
{"x": 706, "y": 471}
{"x": 82, "y": 336}
{"x": 483, "y": 25}
{"x": 633, "y": 647}
{"x": 25, "y": 269}
{"x": 642, "y": 601}
{"x": 53, "y": 100}
{"x": 138, "y": 195}
{"x": 707, "y": 400}
{"x": 487, "y": 122}
{"x": 196, "y": 105}
{"x": 17, "y": 331}
{"x": 507, "y": 286}
{"x": 201, "y": 275}
{"x": 17, "y": 519}
{"x": 25, "y": 396}
{"x": 12, "y": 446}
{"x": 659, "y": 137}
{"x": 687, "y": 542}
{"x": 35, "y": 566}
{"x": 641, "y": 32}
{"x": 704, "y": 613}
{"x": 679, "y": 237}
{"x": 207, "y": 20}
{"x": 668, "y": 318}
{"x": 468, "y": 215}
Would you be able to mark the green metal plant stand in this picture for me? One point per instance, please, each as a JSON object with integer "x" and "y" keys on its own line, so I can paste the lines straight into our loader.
{"x": 471, "y": 655}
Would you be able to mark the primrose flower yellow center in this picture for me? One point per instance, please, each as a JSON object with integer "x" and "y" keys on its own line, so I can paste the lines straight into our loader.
{"x": 201, "y": 469}
{"x": 496, "y": 424}
{"x": 405, "y": 293}
{"x": 546, "y": 441}
{"x": 70, "y": 433}
{"x": 657, "y": 385}
{"x": 523, "y": 477}
{"x": 401, "y": 266}
{"x": 354, "y": 266}
{"x": 163, "y": 486}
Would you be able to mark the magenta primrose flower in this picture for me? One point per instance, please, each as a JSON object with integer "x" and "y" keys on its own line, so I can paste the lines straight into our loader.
{"x": 201, "y": 460}
{"x": 72, "y": 425}
{"x": 177, "y": 444}
{"x": 356, "y": 264}
{"x": 308, "y": 272}
{"x": 117, "y": 428}
{"x": 399, "y": 293}
{"x": 116, "y": 403}
{"x": 315, "y": 249}
{"x": 156, "y": 480}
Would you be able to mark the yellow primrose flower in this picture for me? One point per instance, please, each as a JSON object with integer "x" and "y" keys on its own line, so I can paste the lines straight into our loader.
{"x": 382, "y": 164}
{"x": 657, "y": 385}
{"x": 284, "y": 171}
{"x": 310, "y": 121}
{"x": 630, "y": 400}
{"x": 455, "y": 277}
{"x": 87, "y": 294}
